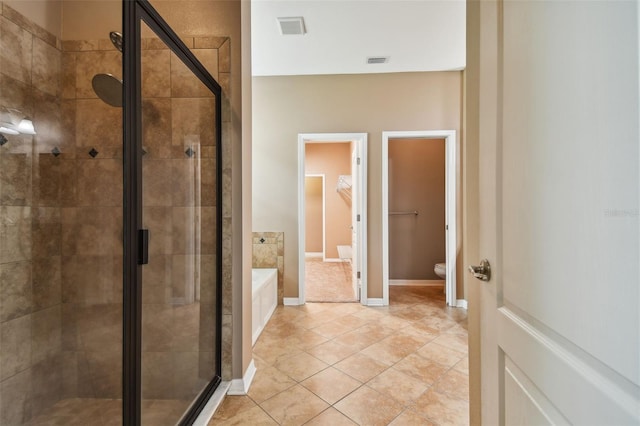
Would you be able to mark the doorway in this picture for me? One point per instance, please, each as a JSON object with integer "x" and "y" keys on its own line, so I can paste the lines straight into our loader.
{"x": 450, "y": 160}
{"x": 331, "y": 177}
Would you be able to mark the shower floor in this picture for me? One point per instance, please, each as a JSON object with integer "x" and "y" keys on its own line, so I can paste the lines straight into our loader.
{"x": 108, "y": 412}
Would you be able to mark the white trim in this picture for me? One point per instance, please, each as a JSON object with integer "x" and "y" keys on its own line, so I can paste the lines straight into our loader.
{"x": 335, "y": 260}
{"x": 241, "y": 386}
{"x": 360, "y": 139}
{"x": 313, "y": 255}
{"x": 418, "y": 283}
{"x": 451, "y": 160}
{"x": 375, "y": 302}
{"x": 461, "y": 303}
{"x": 212, "y": 405}
{"x": 291, "y": 301}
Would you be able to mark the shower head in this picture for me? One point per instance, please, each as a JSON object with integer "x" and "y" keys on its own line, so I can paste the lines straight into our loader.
{"x": 108, "y": 88}
{"x": 116, "y": 39}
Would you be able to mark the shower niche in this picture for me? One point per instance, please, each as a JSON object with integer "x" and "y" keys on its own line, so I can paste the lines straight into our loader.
{"x": 91, "y": 333}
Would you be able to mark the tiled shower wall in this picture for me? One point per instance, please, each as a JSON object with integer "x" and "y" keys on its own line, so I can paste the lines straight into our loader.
{"x": 61, "y": 228}
{"x": 31, "y": 197}
{"x": 268, "y": 252}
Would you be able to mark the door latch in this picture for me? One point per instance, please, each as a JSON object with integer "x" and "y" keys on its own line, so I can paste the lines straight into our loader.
{"x": 482, "y": 272}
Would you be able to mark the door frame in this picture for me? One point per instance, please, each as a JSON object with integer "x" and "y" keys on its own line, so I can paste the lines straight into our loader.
{"x": 135, "y": 240}
{"x": 360, "y": 139}
{"x": 451, "y": 190}
{"x": 322, "y": 176}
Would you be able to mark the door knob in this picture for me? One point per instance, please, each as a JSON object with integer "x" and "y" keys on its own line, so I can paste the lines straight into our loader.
{"x": 482, "y": 272}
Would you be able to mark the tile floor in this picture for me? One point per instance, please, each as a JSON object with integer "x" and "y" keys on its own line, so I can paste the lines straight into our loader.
{"x": 328, "y": 281}
{"x": 344, "y": 364}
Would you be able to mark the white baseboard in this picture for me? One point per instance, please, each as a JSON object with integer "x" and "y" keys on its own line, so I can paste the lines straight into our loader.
{"x": 375, "y": 302}
{"x": 212, "y": 405}
{"x": 335, "y": 260}
{"x": 241, "y": 386}
{"x": 418, "y": 283}
{"x": 312, "y": 255}
{"x": 291, "y": 301}
{"x": 461, "y": 303}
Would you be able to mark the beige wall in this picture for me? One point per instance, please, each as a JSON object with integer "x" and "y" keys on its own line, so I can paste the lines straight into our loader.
{"x": 332, "y": 160}
{"x": 416, "y": 182}
{"x": 372, "y": 103}
{"x": 314, "y": 218}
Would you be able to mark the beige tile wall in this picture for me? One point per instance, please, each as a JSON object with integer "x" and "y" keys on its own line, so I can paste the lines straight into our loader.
{"x": 268, "y": 252}
{"x": 30, "y": 223}
{"x": 61, "y": 222}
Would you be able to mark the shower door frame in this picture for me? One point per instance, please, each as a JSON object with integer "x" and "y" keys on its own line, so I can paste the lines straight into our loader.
{"x": 135, "y": 12}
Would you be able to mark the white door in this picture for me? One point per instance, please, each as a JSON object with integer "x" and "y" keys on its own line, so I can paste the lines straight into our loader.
{"x": 559, "y": 198}
{"x": 355, "y": 225}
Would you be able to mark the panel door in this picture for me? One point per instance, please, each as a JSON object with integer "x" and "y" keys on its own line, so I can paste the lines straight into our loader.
{"x": 559, "y": 161}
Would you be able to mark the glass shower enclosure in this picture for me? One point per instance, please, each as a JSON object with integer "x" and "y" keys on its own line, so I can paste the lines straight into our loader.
{"x": 110, "y": 220}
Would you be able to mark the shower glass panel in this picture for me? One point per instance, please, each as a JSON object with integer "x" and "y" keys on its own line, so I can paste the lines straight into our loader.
{"x": 179, "y": 210}
{"x": 61, "y": 244}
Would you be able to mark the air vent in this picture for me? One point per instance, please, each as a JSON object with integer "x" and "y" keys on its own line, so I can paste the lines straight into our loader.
{"x": 377, "y": 59}
{"x": 291, "y": 26}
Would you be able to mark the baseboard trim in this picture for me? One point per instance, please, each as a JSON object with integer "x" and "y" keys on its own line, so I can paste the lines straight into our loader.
{"x": 461, "y": 303}
{"x": 335, "y": 260}
{"x": 418, "y": 283}
{"x": 291, "y": 301}
{"x": 375, "y": 301}
{"x": 212, "y": 405}
{"x": 313, "y": 255}
{"x": 240, "y": 387}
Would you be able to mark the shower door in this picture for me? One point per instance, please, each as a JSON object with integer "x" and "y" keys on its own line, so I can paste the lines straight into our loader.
{"x": 175, "y": 301}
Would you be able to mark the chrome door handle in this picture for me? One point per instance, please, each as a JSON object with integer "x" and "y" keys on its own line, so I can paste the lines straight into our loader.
{"x": 482, "y": 272}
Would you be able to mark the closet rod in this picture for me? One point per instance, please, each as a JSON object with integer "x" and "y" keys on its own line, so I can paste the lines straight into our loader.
{"x": 403, "y": 213}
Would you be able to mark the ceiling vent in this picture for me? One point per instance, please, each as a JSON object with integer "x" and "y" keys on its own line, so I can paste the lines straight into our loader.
{"x": 377, "y": 59}
{"x": 291, "y": 26}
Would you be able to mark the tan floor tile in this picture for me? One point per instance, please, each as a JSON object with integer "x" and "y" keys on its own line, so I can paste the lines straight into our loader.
{"x": 462, "y": 366}
{"x": 268, "y": 382}
{"x": 366, "y": 406}
{"x": 232, "y": 406}
{"x": 254, "y": 416}
{"x": 300, "y": 366}
{"x": 440, "y": 354}
{"x": 398, "y": 385}
{"x": 331, "y": 385}
{"x": 392, "y": 322}
{"x": 455, "y": 384}
{"x": 393, "y": 348}
{"x": 361, "y": 367}
{"x": 352, "y": 321}
{"x": 331, "y": 352}
{"x": 330, "y": 417}
{"x": 457, "y": 342}
{"x": 363, "y": 336}
{"x": 438, "y": 324}
{"x": 421, "y": 368}
{"x": 332, "y": 329}
{"x": 271, "y": 352}
{"x": 371, "y": 314}
{"x": 442, "y": 409}
{"x": 295, "y": 406}
{"x": 409, "y": 418}
{"x": 306, "y": 339}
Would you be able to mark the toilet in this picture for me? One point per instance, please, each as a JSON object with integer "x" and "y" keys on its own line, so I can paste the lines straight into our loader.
{"x": 441, "y": 270}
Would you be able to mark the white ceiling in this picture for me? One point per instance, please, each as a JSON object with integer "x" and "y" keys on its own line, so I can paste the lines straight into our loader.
{"x": 417, "y": 35}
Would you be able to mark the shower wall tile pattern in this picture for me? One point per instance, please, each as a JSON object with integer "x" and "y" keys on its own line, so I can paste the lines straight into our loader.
{"x": 30, "y": 223}
{"x": 61, "y": 222}
{"x": 268, "y": 252}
